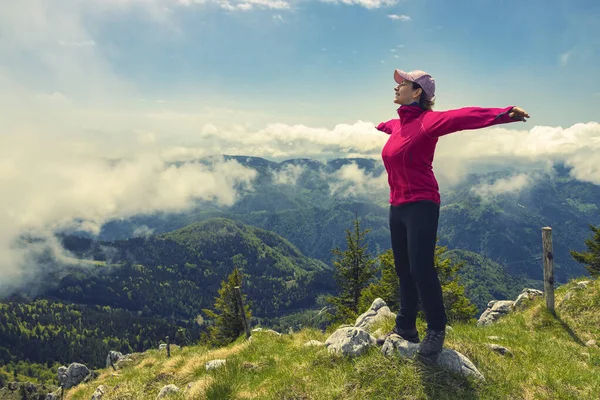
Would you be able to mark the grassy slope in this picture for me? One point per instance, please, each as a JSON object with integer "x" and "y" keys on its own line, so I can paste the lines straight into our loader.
{"x": 550, "y": 362}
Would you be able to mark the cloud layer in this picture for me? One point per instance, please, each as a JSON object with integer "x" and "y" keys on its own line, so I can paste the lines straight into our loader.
{"x": 79, "y": 145}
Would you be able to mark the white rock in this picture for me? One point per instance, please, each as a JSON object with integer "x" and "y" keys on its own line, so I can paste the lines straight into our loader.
{"x": 115, "y": 356}
{"x": 350, "y": 341}
{"x": 214, "y": 364}
{"x": 448, "y": 359}
{"x": 583, "y": 284}
{"x": 313, "y": 343}
{"x": 527, "y": 295}
{"x": 591, "y": 343}
{"x": 499, "y": 349}
{"x": 72, "y": 376}
{"x": 266, "y": 330}
{"x": 377, "y": 312}
{"x": 99, "y": 393}
{"x": 504, "y": 306}
{"x": 167, "y": 390}
{"x": 497, "y": 310}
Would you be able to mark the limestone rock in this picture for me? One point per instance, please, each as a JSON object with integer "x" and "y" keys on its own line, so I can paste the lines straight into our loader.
{"x": 590, "y": 343}
{"x": 349, "y": 341}
{"x": 495, "y": 312}
{"x": 583, "y": 284}
{"x": 448, "y": 359}
{"x": 499, "y": 349}
{"x": 72, "y": 376}
{"x": 527, "y": 295}
{"x": 377, "y": 312}
{"x": 99, "y": 393}
{"x": 266, "y": 330}
{"x": 214, "y": 364}
{"x": 311, "y": 343}
{"x": 113, "y": 356}
{"x": 167, "y": 390}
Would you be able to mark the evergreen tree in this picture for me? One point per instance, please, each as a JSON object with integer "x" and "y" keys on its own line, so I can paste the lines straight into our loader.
{"x": 354, "y": 270}
{"x": 590, "y": 258}
{"x": 458, "y": 306}
{"x": 387, "y": 287}
{"x": 227, "y": 325}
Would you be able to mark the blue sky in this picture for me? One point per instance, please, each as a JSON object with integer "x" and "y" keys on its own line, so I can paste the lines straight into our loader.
{"x": 332, "y": 62}
{"x": 322, "y": 62}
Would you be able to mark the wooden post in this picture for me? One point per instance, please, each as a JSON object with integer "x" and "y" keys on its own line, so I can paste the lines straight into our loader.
{"x": 62, "y": 392}
{"x": 548, "y": 268}
{"x": 238, "y": 296}
{"x": 168, "y": 347}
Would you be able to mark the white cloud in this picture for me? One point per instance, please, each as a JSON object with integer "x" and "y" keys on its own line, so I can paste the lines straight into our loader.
{"x": 370, "y": 4}
{"x": 564, "y": 58}
{"x": 51, "y": 184}
{"x": 573, "y": 145}
{"x": 506, "y": 185}
{"x": 399, "y": 17}
{"x": 288, "y": 175}
{"x": 143, "y": 231}
{"x": 351, "y": 180}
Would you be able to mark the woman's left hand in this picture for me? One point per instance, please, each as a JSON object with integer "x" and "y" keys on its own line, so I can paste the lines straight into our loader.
{"x": 518, "y": 113}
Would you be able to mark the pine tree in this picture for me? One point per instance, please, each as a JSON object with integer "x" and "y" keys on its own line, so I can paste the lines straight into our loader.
{"x": 386, "y": 288}
{"x": 590, "y": 258}
{"x": 354, "y": 270}
{"x": 458, "y": 306}
{"x": 227, "y": 325}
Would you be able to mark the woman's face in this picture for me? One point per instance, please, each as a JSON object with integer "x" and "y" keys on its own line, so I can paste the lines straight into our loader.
{"x": 405, "y": 94}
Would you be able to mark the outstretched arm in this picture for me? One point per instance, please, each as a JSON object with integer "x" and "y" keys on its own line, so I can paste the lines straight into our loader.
{"x": 442, "y": 123}
{"x": 389, "y": 126}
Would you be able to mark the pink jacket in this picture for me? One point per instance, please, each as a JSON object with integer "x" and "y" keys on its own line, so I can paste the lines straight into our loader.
{"x": 408, "y": 153}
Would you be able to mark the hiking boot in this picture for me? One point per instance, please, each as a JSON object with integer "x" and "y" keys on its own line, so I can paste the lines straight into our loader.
{"x": 410, "y": 335}
{"x": 432, "y": 345}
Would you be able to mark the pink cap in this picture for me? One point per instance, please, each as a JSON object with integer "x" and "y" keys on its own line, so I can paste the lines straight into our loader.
{"x": 421, "y": 77}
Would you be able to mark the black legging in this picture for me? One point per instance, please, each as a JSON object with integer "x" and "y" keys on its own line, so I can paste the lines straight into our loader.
{"x": 413, "y": 228}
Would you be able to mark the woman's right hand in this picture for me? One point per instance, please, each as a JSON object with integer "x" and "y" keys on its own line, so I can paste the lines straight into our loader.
{"x": 518, "y": 113}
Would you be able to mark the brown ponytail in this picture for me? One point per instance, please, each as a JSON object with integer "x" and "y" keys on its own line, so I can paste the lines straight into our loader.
{"x": 424, "y": 102}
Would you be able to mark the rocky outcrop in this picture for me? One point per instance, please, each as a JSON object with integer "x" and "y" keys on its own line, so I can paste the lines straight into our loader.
{"x": 526, "y": 296}
{"x": 448, "y": 359}
{"x": 349, "y": 341}
{"x": 266, "y": 331}
{"x": 167, "y": 390}
{"x": 377, "y": 312}
{"x": 72, "y": 376}
{"x": 99, "y": 393}
{"x": 214, "y": 364}
{"x": 497, "y": 309}
{"x": 113, "y": 356}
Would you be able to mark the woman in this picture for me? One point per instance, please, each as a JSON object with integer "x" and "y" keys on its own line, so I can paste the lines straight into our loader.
{"x": 415, "y": 199}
